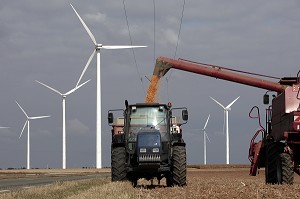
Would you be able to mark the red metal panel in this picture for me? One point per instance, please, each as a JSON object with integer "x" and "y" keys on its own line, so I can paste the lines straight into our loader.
{"x": 221, "y": 74}
{"x": 291, "y": 101}
{"x": 256, "y": 155}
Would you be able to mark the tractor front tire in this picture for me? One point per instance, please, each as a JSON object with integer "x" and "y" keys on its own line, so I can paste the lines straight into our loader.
{"x": 179, "y": 166}
{"x": 118, "y": 160}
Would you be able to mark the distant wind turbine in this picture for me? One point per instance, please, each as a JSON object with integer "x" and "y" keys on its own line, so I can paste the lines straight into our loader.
{"x": 97, "y": 49}
{"x": 28, "y": 131}
{"x": 63, "y": 95}
{"x": 226, "y": 109}
{"x": 205, "y": 136}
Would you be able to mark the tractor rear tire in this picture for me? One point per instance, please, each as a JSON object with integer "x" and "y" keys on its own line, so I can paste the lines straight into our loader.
{"x": 169, "y": 180}
{"x": 179, "y": 166}
{"x": 118, "y": 160}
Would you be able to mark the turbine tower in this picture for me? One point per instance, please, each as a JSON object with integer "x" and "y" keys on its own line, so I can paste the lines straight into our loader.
{"x": 28, "y": 131}
{"x": 205, "y": 136}
{"x": 63, "y": 95}
{"x": 226, "y": 109}
{"x": 97, "y": 49}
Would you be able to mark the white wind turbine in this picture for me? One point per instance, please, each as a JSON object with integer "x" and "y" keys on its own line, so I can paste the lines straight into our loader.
{"x": 63, "y": 95}
{"x": 205, "y": 136}
{"x": 226, "y": 109}
{"x": 97, "y": 49}
{"x": 28, "y": 131}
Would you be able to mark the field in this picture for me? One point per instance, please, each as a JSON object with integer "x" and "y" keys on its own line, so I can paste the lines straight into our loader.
{"x": 203, "y": 182}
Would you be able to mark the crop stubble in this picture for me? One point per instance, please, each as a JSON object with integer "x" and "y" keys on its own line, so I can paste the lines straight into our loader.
{"x": 202, "y": 183}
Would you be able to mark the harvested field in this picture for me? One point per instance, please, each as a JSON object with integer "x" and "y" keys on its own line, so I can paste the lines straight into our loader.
{"x": 203, "y": 182}
{"x": 23, "y": 173}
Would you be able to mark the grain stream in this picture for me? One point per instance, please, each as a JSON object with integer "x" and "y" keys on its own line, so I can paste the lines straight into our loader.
{"x": 152, "y": 90}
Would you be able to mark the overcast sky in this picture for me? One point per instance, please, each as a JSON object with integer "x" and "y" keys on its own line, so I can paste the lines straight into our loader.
{"x": 44, "y": 40}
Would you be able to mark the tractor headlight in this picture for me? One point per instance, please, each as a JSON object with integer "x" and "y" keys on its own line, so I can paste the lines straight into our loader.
{"x": 143, "y": 150}
{"x": 155, "y": 150}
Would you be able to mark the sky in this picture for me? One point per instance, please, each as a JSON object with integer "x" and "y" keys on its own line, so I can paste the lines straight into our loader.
{"x": 45, "y": 41}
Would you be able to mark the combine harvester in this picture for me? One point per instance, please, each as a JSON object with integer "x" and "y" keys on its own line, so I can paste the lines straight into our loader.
{"x": 279, "y": 149}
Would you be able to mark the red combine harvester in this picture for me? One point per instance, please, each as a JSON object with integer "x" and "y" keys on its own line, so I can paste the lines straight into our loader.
{"x": 279, "y": 149}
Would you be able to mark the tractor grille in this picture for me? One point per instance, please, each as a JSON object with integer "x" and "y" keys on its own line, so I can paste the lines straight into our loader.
{"x": 149, "y": 158}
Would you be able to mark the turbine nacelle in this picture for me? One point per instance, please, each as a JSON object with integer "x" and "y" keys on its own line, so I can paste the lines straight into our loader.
{"x": 63, "y": 95}
{"x": 98, "y": 85}
{"x": 28, "y": 138}
{"x": 97, "y": 45}
{"x": 226, "y": 109}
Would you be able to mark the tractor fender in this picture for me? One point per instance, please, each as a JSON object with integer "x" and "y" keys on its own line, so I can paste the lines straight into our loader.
{"x": 117, "y": 144}
{"x": 118, "y": 138}
{"x": 181, "y": 143}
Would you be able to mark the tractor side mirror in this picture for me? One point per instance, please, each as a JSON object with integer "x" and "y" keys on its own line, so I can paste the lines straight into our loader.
{"x": 110, "y": 118}
{"x": 266, "y": 99}
{"x": 185, "y": 115}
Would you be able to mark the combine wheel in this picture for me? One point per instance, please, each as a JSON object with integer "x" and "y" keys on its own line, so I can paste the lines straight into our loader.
{"x": 279, "y": 166}
{"x": 179, "y": 167}
{"x": 287, "y": 173}
{"x": 272, "y": 173}
{"x": 118, "y": 160}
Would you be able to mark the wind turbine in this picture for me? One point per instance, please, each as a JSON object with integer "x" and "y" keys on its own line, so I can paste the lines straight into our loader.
{"x": 28, "y": 126}
{"x": 204, "y": 138}
{"x": 63, "y": 95}
{"x": 226, "y": 109}
{"x": 97, "y": 49}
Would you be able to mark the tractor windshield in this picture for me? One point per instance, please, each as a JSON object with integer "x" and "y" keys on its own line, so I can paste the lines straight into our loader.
{"x": 141, "y": 117}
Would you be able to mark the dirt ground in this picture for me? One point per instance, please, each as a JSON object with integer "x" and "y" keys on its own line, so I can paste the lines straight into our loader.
{"x": 211, "y": 181}
{"x": 225, "y": 183}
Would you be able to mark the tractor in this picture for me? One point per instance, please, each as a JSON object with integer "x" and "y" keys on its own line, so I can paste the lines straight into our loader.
{"x": 147, "y": 143}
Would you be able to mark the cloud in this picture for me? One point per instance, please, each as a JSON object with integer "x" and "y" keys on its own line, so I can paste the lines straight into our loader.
{"x": 45, "y": 41}
{"x": 97, "y": 17}
{"x": 169, "y": 37}
{"x": 76, "y": 127}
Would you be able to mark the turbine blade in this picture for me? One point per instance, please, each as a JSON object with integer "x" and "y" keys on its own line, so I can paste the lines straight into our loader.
{"x": 86, "y": 66}
{"x": 4, "y": 127}
{"x": 229, "y": 105}
{"x": 85, "y": 26}
{"x": 38, "y": 117}
{"x": 206, "y": 122}
{"x": 121, "y": 47}
{"x": 207, "y": 137}
{"x": 77, "y": 87}
{"x": 22, "y": 109}
{"x": 49, "y": 87}
{"x": 218, "y": 102}
{"x": 23, "y": 129}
